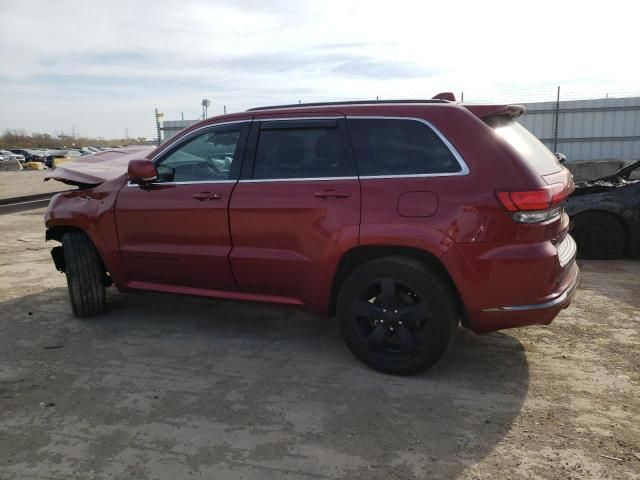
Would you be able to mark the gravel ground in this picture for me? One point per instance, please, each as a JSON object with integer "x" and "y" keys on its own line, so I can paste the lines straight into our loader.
{"x": 169, "y": 387}
{"x": 27, "y": 182}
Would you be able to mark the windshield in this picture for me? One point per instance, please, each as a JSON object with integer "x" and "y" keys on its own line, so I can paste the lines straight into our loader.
{"x": 527, "y": 145}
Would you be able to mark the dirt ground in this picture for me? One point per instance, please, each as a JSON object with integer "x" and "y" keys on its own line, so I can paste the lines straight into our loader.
{"x": 27, "y": 182}
{"x": 169, "y": 387}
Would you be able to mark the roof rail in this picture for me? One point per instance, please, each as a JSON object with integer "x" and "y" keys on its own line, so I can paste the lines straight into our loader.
{"x": 349, "y": 102}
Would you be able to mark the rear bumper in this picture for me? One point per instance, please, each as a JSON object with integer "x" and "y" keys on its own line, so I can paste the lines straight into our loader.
{"x": 513, "y": 285}
{"x": 541, "y": 313}
{"x": 561, "y": 300}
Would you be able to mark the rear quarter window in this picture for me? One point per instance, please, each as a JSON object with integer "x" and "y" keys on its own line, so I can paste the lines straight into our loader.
{"x": 532, "y": 150}
{"x": 387, "y": 147}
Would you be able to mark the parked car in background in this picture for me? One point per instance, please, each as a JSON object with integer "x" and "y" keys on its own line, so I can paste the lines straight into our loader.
{"x": 7, "y": 154}
{"x": 31, "y": 155}
{"x": 605, "y": 214}
{"x": 403, "y": 218}
{"x": 88, "y": 150}
{"x": 10, "y": 164}
{"x": 57, "y": 157}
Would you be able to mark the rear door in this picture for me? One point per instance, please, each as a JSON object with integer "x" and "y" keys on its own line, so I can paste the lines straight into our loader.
{"x": 176, "y": 231}
{"x": 296, "y": 207}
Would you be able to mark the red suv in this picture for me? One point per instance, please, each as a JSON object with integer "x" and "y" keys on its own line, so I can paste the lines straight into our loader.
{"x": 403, "y": 218}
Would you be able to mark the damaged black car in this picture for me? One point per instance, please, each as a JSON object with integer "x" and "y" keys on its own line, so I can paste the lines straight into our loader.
{"x": 605, "y": 215}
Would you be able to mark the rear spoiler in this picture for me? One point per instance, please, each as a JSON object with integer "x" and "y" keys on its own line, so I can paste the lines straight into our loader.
{"x": 486, "y": 111}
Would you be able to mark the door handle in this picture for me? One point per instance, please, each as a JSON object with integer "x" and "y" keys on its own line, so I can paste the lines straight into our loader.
{"x": 202, "y": 196}
{"x": 328, "y": 194}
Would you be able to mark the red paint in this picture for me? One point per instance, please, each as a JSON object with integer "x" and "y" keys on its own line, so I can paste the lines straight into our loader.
{"x": 284, "y": 236}
{"x": 282, "y": 242}
{"x": 141, "y": 171}
{"x": 417, "y": 204}
{"x": 168, "y": 235}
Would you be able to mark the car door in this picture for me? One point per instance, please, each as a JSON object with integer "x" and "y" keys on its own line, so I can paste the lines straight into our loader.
{"x": 296, "y": 207}
{"x": 176, "y": 230}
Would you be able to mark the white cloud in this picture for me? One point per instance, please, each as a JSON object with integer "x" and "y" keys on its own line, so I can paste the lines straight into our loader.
{"x": 104, "y": 66}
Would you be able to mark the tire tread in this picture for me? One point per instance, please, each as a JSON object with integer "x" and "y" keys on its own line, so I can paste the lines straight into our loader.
{"x": 85, "y": 275}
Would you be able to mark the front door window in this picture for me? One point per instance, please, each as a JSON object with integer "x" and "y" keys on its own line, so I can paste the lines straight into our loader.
{"x": 207, "y": 157}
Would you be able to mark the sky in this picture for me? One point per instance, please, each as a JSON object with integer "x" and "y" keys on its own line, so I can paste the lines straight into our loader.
{"x": 99, "y": 68}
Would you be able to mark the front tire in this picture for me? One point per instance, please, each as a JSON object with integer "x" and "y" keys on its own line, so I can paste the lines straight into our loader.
{"x": 85, "y": 275}
{"x": 397, "y": 315}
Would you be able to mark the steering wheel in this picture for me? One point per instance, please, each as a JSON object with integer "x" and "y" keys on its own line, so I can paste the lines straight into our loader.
{"x": 206, "y": 169}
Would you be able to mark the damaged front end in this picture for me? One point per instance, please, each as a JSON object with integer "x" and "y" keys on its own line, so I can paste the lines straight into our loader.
{"x": 605, "y": 215}
{"x": 92, "y": 170}
{"x": 619, "y": 179}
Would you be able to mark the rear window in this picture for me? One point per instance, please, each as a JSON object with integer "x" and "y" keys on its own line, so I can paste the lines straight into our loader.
{"x": 399, "y": 147}
{"x": 527, "y": 145}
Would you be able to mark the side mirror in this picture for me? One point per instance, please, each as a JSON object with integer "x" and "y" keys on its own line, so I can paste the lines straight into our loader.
{"x": 142, "y": 171}
{"x": 561, "y": 157}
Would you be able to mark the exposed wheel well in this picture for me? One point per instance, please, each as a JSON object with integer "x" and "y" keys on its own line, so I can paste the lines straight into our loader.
{"x": 582, "y": 216}
{"x": 360, "y": 255}
{"x": 586, "y": 213}
{"x": 56, "y": 233}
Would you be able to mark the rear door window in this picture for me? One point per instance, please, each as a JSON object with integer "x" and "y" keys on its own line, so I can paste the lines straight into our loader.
{"x": 526, "y": 144}
{"x": 288, "y": 151}
{"x": 388, "y": 147}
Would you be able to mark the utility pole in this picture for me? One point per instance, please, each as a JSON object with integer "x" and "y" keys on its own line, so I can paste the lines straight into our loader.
{"x": 557, "y": 121}
{"x": 126, "y": 133}
{"x": 225, "y": 109}
{"x": 158, "y": 116}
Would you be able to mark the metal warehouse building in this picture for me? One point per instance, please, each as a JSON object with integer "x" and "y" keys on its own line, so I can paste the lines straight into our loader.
{"x": 170, "y": 127}
{"x": 602, "y": 129}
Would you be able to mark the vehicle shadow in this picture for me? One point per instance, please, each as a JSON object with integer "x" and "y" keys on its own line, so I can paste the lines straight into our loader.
{"x": 224, "y": 389}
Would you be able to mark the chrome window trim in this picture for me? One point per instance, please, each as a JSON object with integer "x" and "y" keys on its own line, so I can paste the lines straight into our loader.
{"x": 194, "y": 182}
{"x": 464, "y": 168}
{"x": 203, "y": 127}
{"x": 463, "y": 165}
{"x": 309, "y": 179}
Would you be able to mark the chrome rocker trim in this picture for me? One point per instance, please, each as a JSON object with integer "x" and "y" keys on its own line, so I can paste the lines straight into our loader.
{"x": 559, "y": 300}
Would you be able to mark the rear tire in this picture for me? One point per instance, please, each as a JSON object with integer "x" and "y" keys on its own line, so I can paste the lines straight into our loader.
{"x": 599, "y": 236}
{"x": 397, "y": 315}
{"x": 85, "y": 275}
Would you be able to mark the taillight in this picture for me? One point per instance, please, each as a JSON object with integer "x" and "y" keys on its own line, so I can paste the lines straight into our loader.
{"x": 534, "y": 206}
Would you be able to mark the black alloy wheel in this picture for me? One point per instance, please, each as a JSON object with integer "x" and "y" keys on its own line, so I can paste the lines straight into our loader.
{"x": 397, "y": 314}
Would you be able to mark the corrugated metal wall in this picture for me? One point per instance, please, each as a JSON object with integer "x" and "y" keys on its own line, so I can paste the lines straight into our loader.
{"x": 602, "y": 129}
{"x": 170, "y": 127}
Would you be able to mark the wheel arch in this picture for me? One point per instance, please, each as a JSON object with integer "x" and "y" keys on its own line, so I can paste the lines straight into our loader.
{"x": 362, "y": 254}
{"x": 56, "y": 232}
{"x": 616, "y": 215}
